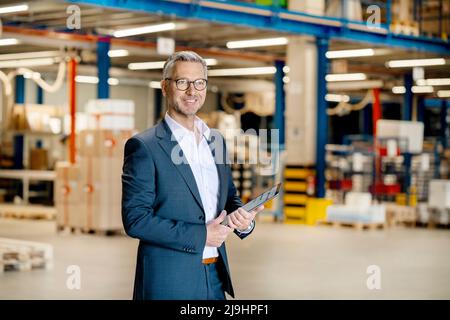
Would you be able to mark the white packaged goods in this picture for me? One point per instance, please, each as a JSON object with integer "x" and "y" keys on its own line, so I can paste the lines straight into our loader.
{"x": 439, "y": 194}
{"x": 110, "y": 106}
{"x": 410, "y": 130}
{"x": 110, "y": 122}
{"x": 357, "y": 208}
{"x": 110, "y": 114}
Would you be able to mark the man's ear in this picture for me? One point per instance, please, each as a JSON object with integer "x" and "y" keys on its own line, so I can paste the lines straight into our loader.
{"x": 163, "y": 87}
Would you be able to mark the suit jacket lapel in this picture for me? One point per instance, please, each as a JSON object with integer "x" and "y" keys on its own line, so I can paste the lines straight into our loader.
{"x": 168, "y": 145}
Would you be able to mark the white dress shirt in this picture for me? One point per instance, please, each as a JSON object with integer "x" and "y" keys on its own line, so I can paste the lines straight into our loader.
{"x": 203, "y": 167}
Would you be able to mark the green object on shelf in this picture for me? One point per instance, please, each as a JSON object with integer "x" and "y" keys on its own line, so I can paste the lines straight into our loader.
{"x": 281, "y": 3}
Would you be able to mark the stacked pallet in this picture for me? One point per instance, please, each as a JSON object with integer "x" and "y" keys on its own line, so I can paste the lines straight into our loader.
{"x": 24, "y": 255}
{"x": 88, "y": 194}
{"x": 358, "y": 211}
{"x": 297, "y": 189}
{"x": 243, "y": 175}
{"x": 27, "y": 212}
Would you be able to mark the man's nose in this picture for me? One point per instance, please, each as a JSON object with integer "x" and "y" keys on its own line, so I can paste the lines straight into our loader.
{"x": 190, "y": 90}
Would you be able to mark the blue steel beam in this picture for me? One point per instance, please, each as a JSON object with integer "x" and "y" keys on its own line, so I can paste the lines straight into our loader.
{"x": 279, "y": 101}
{"x": 407, "y": 98}
{"x": 444, "y": 126}
{"x": 255, "y": 16}
{"x": 103, "y": 65}
{"x": 39, "y": 94}
{"x": 19, "y": 139}
{"x": 322, "y": 117}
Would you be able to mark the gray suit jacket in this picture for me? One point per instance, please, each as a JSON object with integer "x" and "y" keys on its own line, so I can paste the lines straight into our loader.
{"x": 161, "y": 206}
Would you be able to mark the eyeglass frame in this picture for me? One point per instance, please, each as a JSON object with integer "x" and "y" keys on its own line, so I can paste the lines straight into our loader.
{"x": 189, "y": 82}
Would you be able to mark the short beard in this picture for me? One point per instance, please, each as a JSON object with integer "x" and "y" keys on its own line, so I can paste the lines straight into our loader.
{"x": 177, "y": 109}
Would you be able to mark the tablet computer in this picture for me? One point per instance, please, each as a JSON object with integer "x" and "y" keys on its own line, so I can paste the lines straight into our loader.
{"x": 259, "y": 200}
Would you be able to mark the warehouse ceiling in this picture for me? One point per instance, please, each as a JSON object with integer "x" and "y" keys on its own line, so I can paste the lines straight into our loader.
{"x": 51, "y": 16}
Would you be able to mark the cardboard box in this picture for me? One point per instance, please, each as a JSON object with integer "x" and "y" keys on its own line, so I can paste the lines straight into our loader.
{"x": 439, "y": 194}
{"x": 412, "y": 131}
{"x": 110, "y": 106}
{"x": 98, "y": 143}
{"x": 38, "y": 159}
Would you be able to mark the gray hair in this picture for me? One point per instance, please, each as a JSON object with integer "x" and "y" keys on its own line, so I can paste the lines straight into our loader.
{"x": 189, "y": 56}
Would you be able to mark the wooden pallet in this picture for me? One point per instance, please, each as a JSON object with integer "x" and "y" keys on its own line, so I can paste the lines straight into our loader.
{"x": 27, "y": 212}
{"x": 408, "y": 28}
{"x": 79, "y": 230}
{"x": 22, "y": 255}
{"x": 355, "y": 225}
{"x": 400, "y": 215}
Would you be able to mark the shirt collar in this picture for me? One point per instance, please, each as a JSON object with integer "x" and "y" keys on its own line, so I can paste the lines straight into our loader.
{"x": 180, "y": 132}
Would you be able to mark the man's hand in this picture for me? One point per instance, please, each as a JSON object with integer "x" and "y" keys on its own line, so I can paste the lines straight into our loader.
{"x": 241, "y": 219}
{"x": 216, "y": 233}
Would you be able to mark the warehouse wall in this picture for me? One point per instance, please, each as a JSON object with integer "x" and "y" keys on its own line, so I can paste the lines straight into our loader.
{"x": 143, "y": 98}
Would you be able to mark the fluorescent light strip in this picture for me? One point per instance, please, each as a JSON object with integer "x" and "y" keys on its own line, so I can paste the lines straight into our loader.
{"x": 32, "y": 75}
{"x": 434, "y": 82}
{"x": 146, "y": 65}
{"x": 345, "y": 77}
{"x": 86, "y": 79}
{"x": 12, "y": 9}
{"x": 26, "y": 63}
{"x": 8, "y": 42}
{"x": 29, "y": 55}
{"x": 422, "y": 89}
{"x": 350, "y": 53}
{"x": 443, "y": 93}
{"x": 154, "y": 84}
{"x": 241, "y": 71}
{"x": 257, "y": 43}
{"x": 415, "y": 63}
{"x": 113, "y": 81}
{"x": 144, "y": 30}
{"x": 159, "y": 64}
{"x": 398, "y": 90}
{"x": 337, "y": 97}
{"x": 94, "y": 80}
{"x": 118, "y": 53}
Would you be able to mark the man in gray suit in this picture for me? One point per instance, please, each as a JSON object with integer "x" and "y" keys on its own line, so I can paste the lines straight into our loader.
{"x": 177, "y": 188}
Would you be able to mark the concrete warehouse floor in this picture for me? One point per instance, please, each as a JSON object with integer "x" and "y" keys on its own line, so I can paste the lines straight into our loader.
{"x": 278, "y": 261}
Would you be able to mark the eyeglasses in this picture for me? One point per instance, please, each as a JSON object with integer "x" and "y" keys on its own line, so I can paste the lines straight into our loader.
{"x": 184, "y": 84}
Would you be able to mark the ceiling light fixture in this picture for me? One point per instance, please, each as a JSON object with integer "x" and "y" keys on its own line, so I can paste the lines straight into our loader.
{"x": 118, "y": 53}
{"x": 159, "y": 64}
{"x": 8, "y": 42}
{"x": 443, "y": 93}
{"x": 337, "y": 54}
{"x": 415, "y": 63}
{"x": 422, "y": 89}
{"x": 345, "y": 77}
{"x": 337, "y": 97}
{"x": 434, "y": 82}
{"x": 257, "y": 43}
{"x": 241, "y": 71}
{"x": 398, "y": 90}
{"x": 143, "y": 30}
{"x": 12, "y": 9}
{"x": 27, "y": 63}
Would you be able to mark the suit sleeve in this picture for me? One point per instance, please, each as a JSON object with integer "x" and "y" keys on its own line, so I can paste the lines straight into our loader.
{"x": 138, "y": 197}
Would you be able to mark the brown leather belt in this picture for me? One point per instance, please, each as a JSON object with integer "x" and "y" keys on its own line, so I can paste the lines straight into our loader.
{"x": 210, "y": 260}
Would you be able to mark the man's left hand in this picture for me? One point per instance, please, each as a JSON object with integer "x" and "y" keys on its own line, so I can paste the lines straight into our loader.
{"x": 241, "y": 219}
